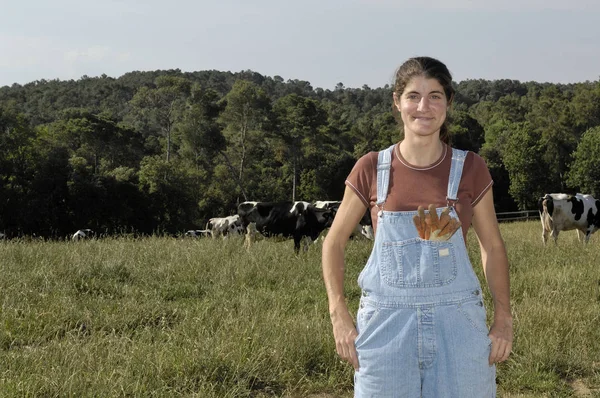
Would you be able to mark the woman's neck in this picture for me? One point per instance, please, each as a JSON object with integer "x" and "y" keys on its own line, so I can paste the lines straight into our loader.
{"x": 422, "y": 152}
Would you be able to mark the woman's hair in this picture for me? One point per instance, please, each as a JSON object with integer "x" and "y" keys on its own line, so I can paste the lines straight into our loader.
{"x": 430, "y": 68}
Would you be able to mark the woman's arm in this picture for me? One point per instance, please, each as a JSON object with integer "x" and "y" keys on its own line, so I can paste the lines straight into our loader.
{"x": 348, "y": 215}
{"x": 495, "y": 268}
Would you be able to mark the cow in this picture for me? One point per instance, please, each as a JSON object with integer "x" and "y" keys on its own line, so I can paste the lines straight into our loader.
{"x": 82, "y": 234}
{"x": 225, "y": 226}
{"x": 295, "y": 220}
{"x": 364, "y": 226}
{"x": 327, "y": 204}
{"x": 564, "y": 212}
{"x": 197, "y": 233}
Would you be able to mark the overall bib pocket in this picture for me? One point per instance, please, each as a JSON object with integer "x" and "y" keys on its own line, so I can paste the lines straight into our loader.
{"x": 418, "y": 263}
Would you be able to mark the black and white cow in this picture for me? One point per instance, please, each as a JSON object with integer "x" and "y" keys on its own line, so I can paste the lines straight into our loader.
{"x": 225, "y": 226}
{"x": 295, "y": 220}
{"x": 82, "y": 234}
{"x": 564, "y": 212}
{"x": 364, "y": 226}
{"x": 198, "y": 233}
{"x": 327, "y": 204}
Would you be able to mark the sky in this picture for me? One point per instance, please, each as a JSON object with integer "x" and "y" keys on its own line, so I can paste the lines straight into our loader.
{"x": 325, "y": 42}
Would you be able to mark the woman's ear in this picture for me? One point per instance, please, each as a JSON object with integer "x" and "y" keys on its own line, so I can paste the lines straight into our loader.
{"x": 450, "y": 101}
{"x": 396, "y": 101}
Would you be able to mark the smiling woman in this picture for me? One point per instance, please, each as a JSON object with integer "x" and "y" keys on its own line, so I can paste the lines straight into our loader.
{"x": 426, "y": 96}
{"x": 421, "y": 325}
{"x": 422, "y": 106}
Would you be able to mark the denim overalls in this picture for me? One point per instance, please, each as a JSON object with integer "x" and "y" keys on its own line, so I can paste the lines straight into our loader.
{"x": 421, "y": 322}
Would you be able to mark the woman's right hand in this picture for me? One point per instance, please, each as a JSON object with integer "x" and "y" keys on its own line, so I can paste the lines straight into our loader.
{"x": 345, "y": 333}
{"x": 347, "y": 217}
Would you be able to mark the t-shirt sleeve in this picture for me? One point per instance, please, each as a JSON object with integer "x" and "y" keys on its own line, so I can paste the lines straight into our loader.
{"x": 481, "y": 179}
{"x": 360, "y": 179}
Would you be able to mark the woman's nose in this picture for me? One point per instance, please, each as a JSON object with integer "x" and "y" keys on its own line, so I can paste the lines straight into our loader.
{"x": 423, "y": 104}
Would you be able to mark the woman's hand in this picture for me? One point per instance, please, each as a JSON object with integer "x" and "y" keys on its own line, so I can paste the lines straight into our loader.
{"x": 501, "y": 335}
{"x": 345, "y": 333}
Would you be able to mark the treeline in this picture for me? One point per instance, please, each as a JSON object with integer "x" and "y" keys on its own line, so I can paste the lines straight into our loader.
{"x": 163, "y": 151}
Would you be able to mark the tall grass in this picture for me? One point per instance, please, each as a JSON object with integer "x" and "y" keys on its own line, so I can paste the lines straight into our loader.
{"x": 170, "y": 317}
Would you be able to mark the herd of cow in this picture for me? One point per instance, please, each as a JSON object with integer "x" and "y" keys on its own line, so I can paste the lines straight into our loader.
{"x": 297, "y": 220}
{"x": 291, "y": 220}
{"x": 305, "y": 220}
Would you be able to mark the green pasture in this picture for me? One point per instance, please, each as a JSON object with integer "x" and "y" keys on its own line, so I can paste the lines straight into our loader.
{"x": 165, "y": 317}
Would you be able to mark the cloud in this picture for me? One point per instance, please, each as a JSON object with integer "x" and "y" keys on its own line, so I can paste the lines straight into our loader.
{"x": 28, "y": 58}
{"x": 489, "y": 5}
{"x": 93, "y": 60}
{"x": 20, "y": 51}
{"x": 23, "y": 51}
{"x": 95, "y": 54}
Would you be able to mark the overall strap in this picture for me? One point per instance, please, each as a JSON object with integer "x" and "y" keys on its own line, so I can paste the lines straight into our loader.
{"x": 456, "y": 168}
{"x": 384, "y": 163}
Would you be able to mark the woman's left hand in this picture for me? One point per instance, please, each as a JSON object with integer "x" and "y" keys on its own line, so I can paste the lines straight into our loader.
{"x": 501, "y": 335}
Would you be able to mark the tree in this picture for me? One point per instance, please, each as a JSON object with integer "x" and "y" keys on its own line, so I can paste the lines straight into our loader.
{"x": 162, "y": 105}
{"x": 584, "y": 172}
{"x": 172, "y": 190}
{"x": 585, "y": 106}
{"x": 523, "y": 157}
{"x": 551, "y": 120}
{"x": 47, "y": 207}
{"x": 496, "y": 136}
{"x": 97, "y": 138}
{"x": 300, "y": 123}
{"x": 17, "y": 161}
{"x": 466, "y": 133}
{"x": 372, "y": 132}
{"x": 245, "y": 117}
{"x": 201, "y": 134}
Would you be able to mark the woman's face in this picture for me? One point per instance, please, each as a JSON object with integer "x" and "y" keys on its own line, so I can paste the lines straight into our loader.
{"x": 423, "y": 106}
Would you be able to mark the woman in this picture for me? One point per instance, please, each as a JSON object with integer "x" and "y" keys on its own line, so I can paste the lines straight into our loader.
{"x": 421, "y": 327}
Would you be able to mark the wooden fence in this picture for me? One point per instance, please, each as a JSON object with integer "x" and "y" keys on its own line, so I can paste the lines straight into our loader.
{"x": 524, "y": 215}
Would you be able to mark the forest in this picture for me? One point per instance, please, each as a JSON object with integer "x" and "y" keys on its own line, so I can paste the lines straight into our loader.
{"x": 160, "y": 152}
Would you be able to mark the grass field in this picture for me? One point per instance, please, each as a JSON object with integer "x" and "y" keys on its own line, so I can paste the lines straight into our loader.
{"x": 163, "y": 317}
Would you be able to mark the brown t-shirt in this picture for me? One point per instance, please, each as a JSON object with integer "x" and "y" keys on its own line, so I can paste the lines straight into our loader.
{"x": 411, "y": 186}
